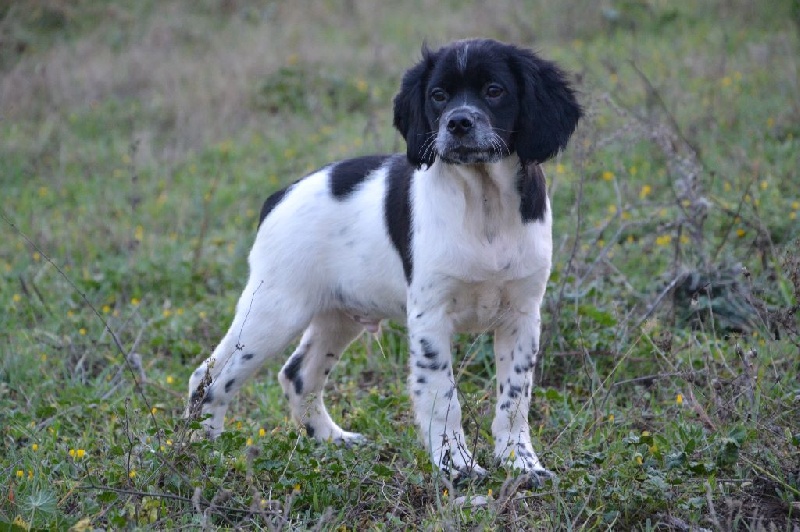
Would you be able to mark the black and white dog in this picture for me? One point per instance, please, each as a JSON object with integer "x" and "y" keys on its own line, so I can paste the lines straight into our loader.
{"x": 453, "y": 236}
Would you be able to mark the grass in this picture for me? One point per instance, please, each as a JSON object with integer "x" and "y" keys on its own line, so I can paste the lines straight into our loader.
{"x": 135, "y": 157}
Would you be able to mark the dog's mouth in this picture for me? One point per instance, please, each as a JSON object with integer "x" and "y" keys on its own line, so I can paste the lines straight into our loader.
{"x": 470, "y": 155}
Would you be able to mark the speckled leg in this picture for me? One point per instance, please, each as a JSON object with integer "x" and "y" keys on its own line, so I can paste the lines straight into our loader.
{"x": 304, "y": 375}
{"x": 260, "y": 329}
{"x": 516, "y": 347}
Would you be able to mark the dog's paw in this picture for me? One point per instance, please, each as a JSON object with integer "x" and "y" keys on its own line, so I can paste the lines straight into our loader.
{"x": 350, "y": 439}
{"x": 536, "y": 478}
{"x": 464, "y": 475}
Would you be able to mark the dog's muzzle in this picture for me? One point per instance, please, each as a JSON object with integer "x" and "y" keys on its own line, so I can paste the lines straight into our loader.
{"x": 466, "y": 137}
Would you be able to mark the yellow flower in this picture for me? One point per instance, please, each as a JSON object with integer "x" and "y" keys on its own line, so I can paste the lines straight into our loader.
{"x": 726, "y": 186}
{"x": 796, "y": 205}
{"x": 72, "y": 453}
{"x": 645, "y": 433}
{"x": 20, "y": 473}
{"x": 82, "y": 331}
{"x": 679, "y": 399}
{"x": 249, "y": 441}
{"x": 489, "y": 493}
{"x": 726, "y": 81}
{"x": 608, "y": 176}
{"x": 132, "y": 474}
{"x": 135, "y": 301}
{"x": 154, "y": 410}
{"x": 30, "y": 473}
{"x": 262, "y": 433}
{"x": 792, "y": 215}
{"x": 37, "y": 256}
{"x": 444, "y": 493}
{"x": 297, "y": 487}
{"x": 764, "y": 185}
{"x": 35, "y": 447}
{"x": 638, "y": 459}
{"x": 646, "y": 190}
{"x": 43, "y": 191}
{"x": 740, "y": 232}
{"x": 611, "y": 418}
{"x": 138, "y": 233}
{"x": 169, "y": 442}
{"x": 663, "y": 240}
{"x": 612, "y": 209}
{"x": 16, "y": 298}
{"x": 80, "y": 453}
{"x": 653, "y": 449}
{"x": 167, "y": 313}
{"x": 106, "y": 309}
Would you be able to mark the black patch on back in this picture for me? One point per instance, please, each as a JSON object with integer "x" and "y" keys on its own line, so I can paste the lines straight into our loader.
{"x": 532, "y": 189}
{"x": 397, "y": 210}
{"x": 347, "y": 175}
{"x": 271, "y": 203}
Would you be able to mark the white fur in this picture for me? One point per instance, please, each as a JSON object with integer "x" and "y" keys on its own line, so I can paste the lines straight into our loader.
{"x": 477, "y": 268}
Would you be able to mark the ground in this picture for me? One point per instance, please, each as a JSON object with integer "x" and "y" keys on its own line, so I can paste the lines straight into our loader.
{"x": 140, "y": 139}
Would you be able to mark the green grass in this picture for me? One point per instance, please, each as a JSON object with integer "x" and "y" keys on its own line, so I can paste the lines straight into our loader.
{"x": 134, "y": 159}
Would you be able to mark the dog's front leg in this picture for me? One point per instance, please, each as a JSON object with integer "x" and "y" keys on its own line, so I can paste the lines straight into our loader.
{"x": 516, "y": 346}
{"x": 433, "y": 391}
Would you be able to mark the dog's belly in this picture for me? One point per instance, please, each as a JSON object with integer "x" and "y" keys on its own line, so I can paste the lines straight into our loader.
{"x": 480, "y": 307}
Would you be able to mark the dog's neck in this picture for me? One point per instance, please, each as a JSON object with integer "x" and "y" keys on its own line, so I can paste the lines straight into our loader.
{"x": 489, "y": 191}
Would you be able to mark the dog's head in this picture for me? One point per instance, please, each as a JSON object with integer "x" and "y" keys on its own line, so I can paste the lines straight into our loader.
{"x": 478, "y": 101}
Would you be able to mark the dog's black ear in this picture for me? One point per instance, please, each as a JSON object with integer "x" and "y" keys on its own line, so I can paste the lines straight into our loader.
{"x": 549, "y": 111}
{"x": 409, "y": 111}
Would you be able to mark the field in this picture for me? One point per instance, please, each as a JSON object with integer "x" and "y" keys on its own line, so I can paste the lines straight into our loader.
{"x": 139, "y": 139}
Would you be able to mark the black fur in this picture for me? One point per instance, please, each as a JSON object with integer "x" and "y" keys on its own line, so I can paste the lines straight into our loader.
{"x": 397, "y": 210}
{"x": 346, "y": 176}
{"x": 532, "y": 189}
{"x": 271, "y": 203}
{"x": 535, "y": 117}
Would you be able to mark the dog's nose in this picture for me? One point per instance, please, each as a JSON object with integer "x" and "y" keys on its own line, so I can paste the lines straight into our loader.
{"x": 459, "y": 124}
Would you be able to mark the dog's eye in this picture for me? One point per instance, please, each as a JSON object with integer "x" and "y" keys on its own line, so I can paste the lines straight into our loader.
{"x": 438, "y": 95}
{"x": 494, "y": 91}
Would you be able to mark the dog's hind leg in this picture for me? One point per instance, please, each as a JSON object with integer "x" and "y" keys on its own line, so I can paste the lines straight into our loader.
{"x": 304, "y": 375}
{"x": 261, "y": 328}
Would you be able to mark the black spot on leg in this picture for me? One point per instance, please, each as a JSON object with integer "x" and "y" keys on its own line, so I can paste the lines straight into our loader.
{"x": 427, "y": 349}
{"x": 421, "y": 380}
{"x": 229, "y": 384}
{"x": 248, "y": 356}
{"x": 327, "y": 371}
{"x": 514, "y": 391}
{"x": 330, "y": 355}
{"x": 501, "y": 387}
{"x": 298, "y": 385}
{"x": 310, "y": 430}
{"x": 417, "y": 392}
{"x": 293, "y": 367}
{"x": 505, "y": 406}
{"x": 208, "y": 397}
{"x": 449, "y": 393}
